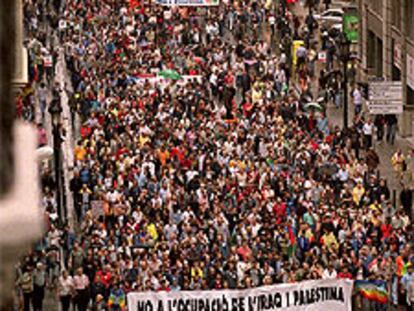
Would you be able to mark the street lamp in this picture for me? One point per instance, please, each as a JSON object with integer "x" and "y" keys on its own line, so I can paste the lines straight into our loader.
{"x": 310, "y": 5}
{"x": 283, "y": 4}
{"x": 55, "y": 111}
{"x": 344, "y": 46}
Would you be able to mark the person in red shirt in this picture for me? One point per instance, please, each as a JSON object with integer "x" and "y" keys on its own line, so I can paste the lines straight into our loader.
{"x": 344, "y": 274}
{"x": 247, "y": 107}
{"x": 280, "y": 210}
{"x": 229, "y": 79}
{"x": 192, "y": 72}
{"x": 104, "y": 276}
{"x": 244, "y": 251}
{"x": 176, "y": 152}
{"x": 165, "y": 287}
{"x": 386, "y": 229}
{"x": 42, "y": 135}
{"x": 218, "y": 283}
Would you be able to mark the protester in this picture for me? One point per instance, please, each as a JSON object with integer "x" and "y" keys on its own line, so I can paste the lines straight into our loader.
{"x": 379, "y": 123}
{"x": 398, "y": 163}
{"x": 39, "y": 284}
{"x": 410, "y": 295}
{"x": 26, "y": 283}
{"x": 357, "y": 99}
{"x": 368, "y": 131}
{"x": 81, "y": 286}
{"x": 406, "y": 199}
{"x": 65, "y": 290}
{"x": 392, "y": 122}
{"x": 406, "y": 281}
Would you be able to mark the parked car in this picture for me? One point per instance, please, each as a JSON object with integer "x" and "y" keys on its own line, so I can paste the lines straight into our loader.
{"x": 337, "y": 27}
{"x": 331, "y": 16}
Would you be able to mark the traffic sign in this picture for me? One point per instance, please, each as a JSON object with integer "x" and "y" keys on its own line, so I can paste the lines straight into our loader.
{"x": 385, "y": 107}
{"x": 385, "y": 97}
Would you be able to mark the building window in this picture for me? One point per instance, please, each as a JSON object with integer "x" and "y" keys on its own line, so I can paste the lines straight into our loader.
{"x": 378, "y": 58}
{"x": 409, "y": 20}
{"x": 371, "y": 49}
{"x": 374, "y": 48}
{"x": 376, "y": 6}
{"x": 396, "y": 13}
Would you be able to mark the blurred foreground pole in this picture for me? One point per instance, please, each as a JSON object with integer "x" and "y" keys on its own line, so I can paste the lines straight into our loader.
{"x": 7, "y": 112}
{"x": 20, "y": 216}
{"x": 7, "y": 117}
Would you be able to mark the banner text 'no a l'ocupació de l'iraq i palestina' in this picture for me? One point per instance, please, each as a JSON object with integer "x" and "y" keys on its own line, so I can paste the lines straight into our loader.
{"x": 304, "y": 296}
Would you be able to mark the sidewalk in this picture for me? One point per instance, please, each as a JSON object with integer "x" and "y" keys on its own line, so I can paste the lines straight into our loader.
{"x": 384, "y": 149}
{"x": 62, "y": 79}
{"x": 69, "y": 144}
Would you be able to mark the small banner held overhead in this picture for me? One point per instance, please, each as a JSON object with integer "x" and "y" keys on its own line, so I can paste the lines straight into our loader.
{"x": 188, "y": 2}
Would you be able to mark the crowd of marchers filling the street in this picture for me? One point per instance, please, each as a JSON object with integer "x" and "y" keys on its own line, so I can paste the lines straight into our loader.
{"x": 199, "y": 165}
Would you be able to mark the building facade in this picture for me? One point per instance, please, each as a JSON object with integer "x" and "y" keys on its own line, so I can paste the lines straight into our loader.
{"x": 387, "y": 48}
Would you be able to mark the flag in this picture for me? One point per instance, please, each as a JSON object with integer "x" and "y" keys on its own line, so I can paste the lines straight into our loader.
{"x": 133, "y": 4}
{"x": 117, "y": 299}
{"x": 198, "y": 60}
{"x": 292, "y": 237}
{"x": 372, "y": 290}
{"x": 170, "y": 74}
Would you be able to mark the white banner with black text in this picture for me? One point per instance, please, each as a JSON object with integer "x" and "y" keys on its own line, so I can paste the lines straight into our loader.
{"x": 304, "y": 296}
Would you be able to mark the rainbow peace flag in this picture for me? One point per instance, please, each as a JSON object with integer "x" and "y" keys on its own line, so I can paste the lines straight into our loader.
{"x": 372, "y": 290}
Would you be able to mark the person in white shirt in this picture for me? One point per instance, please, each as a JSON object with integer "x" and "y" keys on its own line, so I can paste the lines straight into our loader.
{"x": 272, "y": 24}
{"x": 65, "y": 290}
{"x": 329, "y": 273}
{"x": 343, "y": 174}
{"x": 81, "y": 285}
{"x": 213, "y": 84}
{"x": 357, "y": 97}
{"x": 368, "y": 130}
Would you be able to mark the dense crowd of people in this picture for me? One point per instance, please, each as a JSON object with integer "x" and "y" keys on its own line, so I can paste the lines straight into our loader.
{"x": 199, "y": 167}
